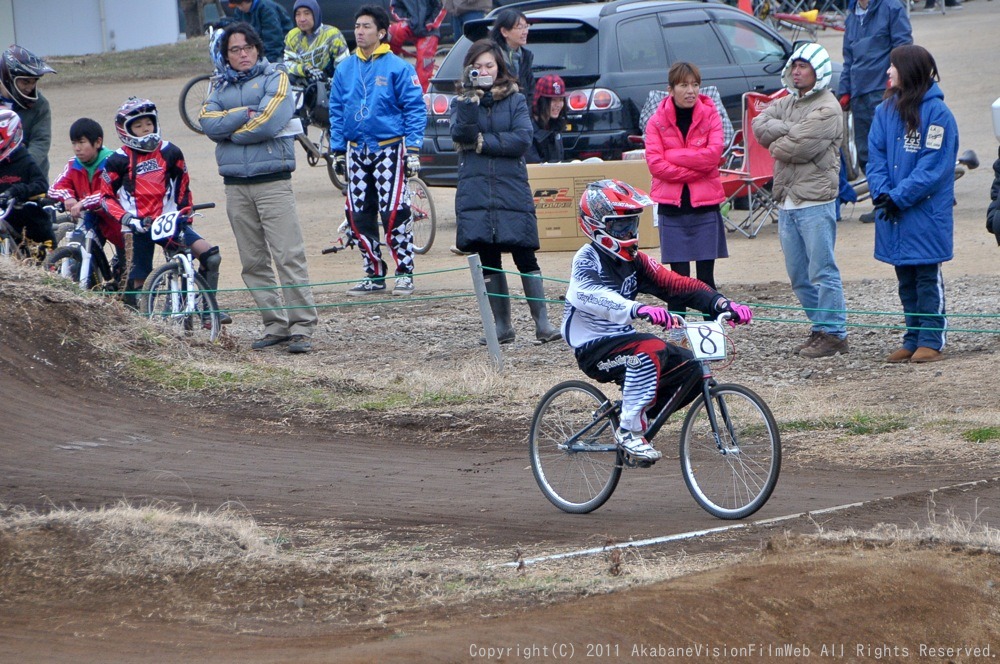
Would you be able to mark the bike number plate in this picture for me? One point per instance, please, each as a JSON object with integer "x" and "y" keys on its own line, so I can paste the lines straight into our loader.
{"x": 164, "y": 226}
{"x": 708, "y": 341}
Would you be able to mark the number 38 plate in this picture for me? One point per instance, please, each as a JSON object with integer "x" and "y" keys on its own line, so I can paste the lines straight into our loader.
{"x": 164, "y": 226}
{"x": 708, "y": 341}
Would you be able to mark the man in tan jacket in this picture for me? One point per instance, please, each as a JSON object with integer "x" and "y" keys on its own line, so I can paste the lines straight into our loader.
{"x": 803, "y": 132}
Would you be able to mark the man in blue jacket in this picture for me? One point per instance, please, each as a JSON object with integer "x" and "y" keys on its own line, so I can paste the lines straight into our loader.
{"x": 873, "y": 28}
{"x": 377, "y": 119}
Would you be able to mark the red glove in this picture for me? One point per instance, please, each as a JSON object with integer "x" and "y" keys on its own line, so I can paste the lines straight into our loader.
{"x": 658, "y": 316}
{"x": 845, "y": 102}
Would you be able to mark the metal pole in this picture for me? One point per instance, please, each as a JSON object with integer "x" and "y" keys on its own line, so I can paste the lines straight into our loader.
{"x": 485, "y": 312}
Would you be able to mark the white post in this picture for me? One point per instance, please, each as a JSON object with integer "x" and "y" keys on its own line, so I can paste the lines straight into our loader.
{"x": 485, "y": 312}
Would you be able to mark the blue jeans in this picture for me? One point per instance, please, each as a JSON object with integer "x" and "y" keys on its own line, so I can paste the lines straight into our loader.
{"x": 808, "y": 236}
{"x": 921, "y": 290}
{"x": 457, "y": 21}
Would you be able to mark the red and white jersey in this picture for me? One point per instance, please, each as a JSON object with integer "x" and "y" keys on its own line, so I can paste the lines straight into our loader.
{"x": 145, "y": 184}
{"x": 600, "y": 300}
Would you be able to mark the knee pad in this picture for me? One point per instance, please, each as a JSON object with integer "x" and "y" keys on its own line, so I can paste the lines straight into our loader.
{"x": 210, "y": 261}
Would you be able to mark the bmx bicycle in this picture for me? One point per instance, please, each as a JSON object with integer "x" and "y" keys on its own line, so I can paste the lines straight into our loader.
{"x": 15, "y": 244}
{"x": 175, "y": 293}
{"x": 730, "y": 448}
{"x": 84, "y": 259}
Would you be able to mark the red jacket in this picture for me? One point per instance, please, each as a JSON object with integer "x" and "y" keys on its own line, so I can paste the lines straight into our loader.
{"x": 74, "y": 183}
{"x": 675, "y": 161}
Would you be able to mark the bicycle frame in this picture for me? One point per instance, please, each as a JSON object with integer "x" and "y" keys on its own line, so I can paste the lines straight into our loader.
{"x": 86, "y": 246}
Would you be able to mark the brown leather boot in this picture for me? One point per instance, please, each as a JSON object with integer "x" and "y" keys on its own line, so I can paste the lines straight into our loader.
{"x": 900, "y": 356}
{"x": 826, "y": 346}
{"x": 813, "y": 336}
{"x": 924, "y": 354}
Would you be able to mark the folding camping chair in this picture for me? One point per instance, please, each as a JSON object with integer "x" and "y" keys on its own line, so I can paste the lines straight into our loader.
{"x": 756, "y": 172}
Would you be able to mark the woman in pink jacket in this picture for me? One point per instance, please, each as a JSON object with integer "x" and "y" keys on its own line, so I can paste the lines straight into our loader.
{"x": 683, "y": 150}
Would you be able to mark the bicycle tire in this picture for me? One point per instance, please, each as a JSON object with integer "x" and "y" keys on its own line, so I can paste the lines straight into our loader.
{"x": 423, "y": 214}
{"x": 162, "y": 300}
{"x": 736, "y": 482}
{"x": 66, "y": 262}
{"x": 578, "y": 480}
{"x": 193, "y": 96}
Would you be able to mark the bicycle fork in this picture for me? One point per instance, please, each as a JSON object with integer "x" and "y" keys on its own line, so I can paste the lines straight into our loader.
{"x": 713, "y": 416}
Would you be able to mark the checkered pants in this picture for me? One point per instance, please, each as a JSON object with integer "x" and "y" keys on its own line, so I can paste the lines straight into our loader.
{"x": 377, "y": 187}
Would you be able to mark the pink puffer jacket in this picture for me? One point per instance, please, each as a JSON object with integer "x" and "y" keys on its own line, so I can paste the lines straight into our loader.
{"x": 674, "y": 162}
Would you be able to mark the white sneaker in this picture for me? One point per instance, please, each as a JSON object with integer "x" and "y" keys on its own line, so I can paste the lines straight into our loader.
{"x": 367, "y": 286}
{"x": 404, "y": 285}
{"x": 635, "y": 445}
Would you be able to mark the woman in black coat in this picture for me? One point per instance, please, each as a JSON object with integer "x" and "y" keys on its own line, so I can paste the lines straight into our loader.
{"x": 494, "y": 207}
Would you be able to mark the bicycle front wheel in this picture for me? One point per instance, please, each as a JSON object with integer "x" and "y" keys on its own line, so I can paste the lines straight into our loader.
{"x": 193, "y": 97}
{"x": 572, "y": 443}
{"x": 730, "y": 467}
{"x": 186, "y": 306}
{"x": 66, "y": 262}
{"x": 423, "y": 215}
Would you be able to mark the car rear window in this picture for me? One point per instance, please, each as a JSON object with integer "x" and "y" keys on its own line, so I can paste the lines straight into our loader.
{"x": 564, "y": 48}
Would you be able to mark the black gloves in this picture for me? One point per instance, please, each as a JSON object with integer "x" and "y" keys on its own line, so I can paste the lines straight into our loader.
{"x": 888, "y": 206}
{"x": 340, "y": 164}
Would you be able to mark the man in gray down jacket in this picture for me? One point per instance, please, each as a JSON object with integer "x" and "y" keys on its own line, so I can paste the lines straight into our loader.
{"x": 803, "y": 132}
{"x": 249, "y": 116}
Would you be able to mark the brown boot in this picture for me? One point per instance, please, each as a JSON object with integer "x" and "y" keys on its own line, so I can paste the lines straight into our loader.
{"x": 899, "y": 356}
{"x": 813, "y": 337}
{"x": 826, "y": 346}
{"x": 924, "y": 354}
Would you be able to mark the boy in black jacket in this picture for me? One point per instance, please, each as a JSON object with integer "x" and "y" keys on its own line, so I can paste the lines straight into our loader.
{"x": 20, "y": 181}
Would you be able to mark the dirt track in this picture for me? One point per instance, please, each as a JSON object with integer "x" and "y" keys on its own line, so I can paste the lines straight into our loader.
{"x": 463, "y": 481}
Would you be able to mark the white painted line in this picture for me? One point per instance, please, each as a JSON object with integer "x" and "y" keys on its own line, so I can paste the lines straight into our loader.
{"x": 736, "y": 526}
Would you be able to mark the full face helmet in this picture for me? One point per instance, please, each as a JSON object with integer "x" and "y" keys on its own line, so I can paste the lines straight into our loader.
{"x": 16, "y": 63}
{"x": 133, "y": 109}
{"x": 609, "y": 216}
{"x": 11, "y": 133}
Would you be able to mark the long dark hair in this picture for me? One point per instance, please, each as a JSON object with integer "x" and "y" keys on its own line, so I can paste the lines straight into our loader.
{"x": 487, "y": 46}
{"x": 915, "y": 72}
{"x": 506, "y": 20}
{"x": 543, "y": 118}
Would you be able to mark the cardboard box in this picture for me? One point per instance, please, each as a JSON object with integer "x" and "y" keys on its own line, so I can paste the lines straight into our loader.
{"x": 557, "y": 189}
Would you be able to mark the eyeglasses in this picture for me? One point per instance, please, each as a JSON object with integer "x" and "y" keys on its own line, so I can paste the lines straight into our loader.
{"x": 236, "y": 50}
{"x": 520, "y": 26}
{"x": 623, "y": 227}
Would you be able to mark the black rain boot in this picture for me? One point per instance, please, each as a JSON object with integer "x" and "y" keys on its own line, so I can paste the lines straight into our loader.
{"x": 496, "y": 284}
{"x": 534, "y": 290}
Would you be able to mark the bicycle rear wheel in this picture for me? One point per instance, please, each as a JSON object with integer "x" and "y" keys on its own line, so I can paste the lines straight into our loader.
{"x": 188, "y": 307}
{"x": 193, "y": 97}
{"x": 572, "y": 443}
{"x": 731, "y": 476}
{"x": 423, "y": 214}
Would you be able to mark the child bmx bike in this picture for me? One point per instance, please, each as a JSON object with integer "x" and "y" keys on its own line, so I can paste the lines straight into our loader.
{"x": 730, "y": 449}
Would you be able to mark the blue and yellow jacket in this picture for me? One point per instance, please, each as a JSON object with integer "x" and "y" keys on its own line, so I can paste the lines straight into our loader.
{"x": 376, "y": 102}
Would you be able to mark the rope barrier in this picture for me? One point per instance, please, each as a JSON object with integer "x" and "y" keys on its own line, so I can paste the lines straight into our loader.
{"x": 467, "y": 295}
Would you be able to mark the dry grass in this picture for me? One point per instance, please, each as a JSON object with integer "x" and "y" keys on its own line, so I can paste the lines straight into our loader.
{"x": 183, "y": 59}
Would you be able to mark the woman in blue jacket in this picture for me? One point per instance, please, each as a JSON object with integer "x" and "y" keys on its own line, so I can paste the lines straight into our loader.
{"x": 912, "y": 146}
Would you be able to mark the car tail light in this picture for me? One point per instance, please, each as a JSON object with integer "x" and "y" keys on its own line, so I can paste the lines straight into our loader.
{"x": 603, "y": 99}
{"x": 578, "y": 101}
{"x": 598, "y": 99}
{"x": 437, "y": 103}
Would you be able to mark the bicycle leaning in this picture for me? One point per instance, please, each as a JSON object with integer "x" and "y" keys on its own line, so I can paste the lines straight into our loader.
{"x": 83, "y": 259}
{"x": 14, "y": 243}
{"x": 175, "y": 292}
{"x": 730, "y": 448}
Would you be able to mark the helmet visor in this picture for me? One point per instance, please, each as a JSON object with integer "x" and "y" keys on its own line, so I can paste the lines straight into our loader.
{"x": 622, "y": 227}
